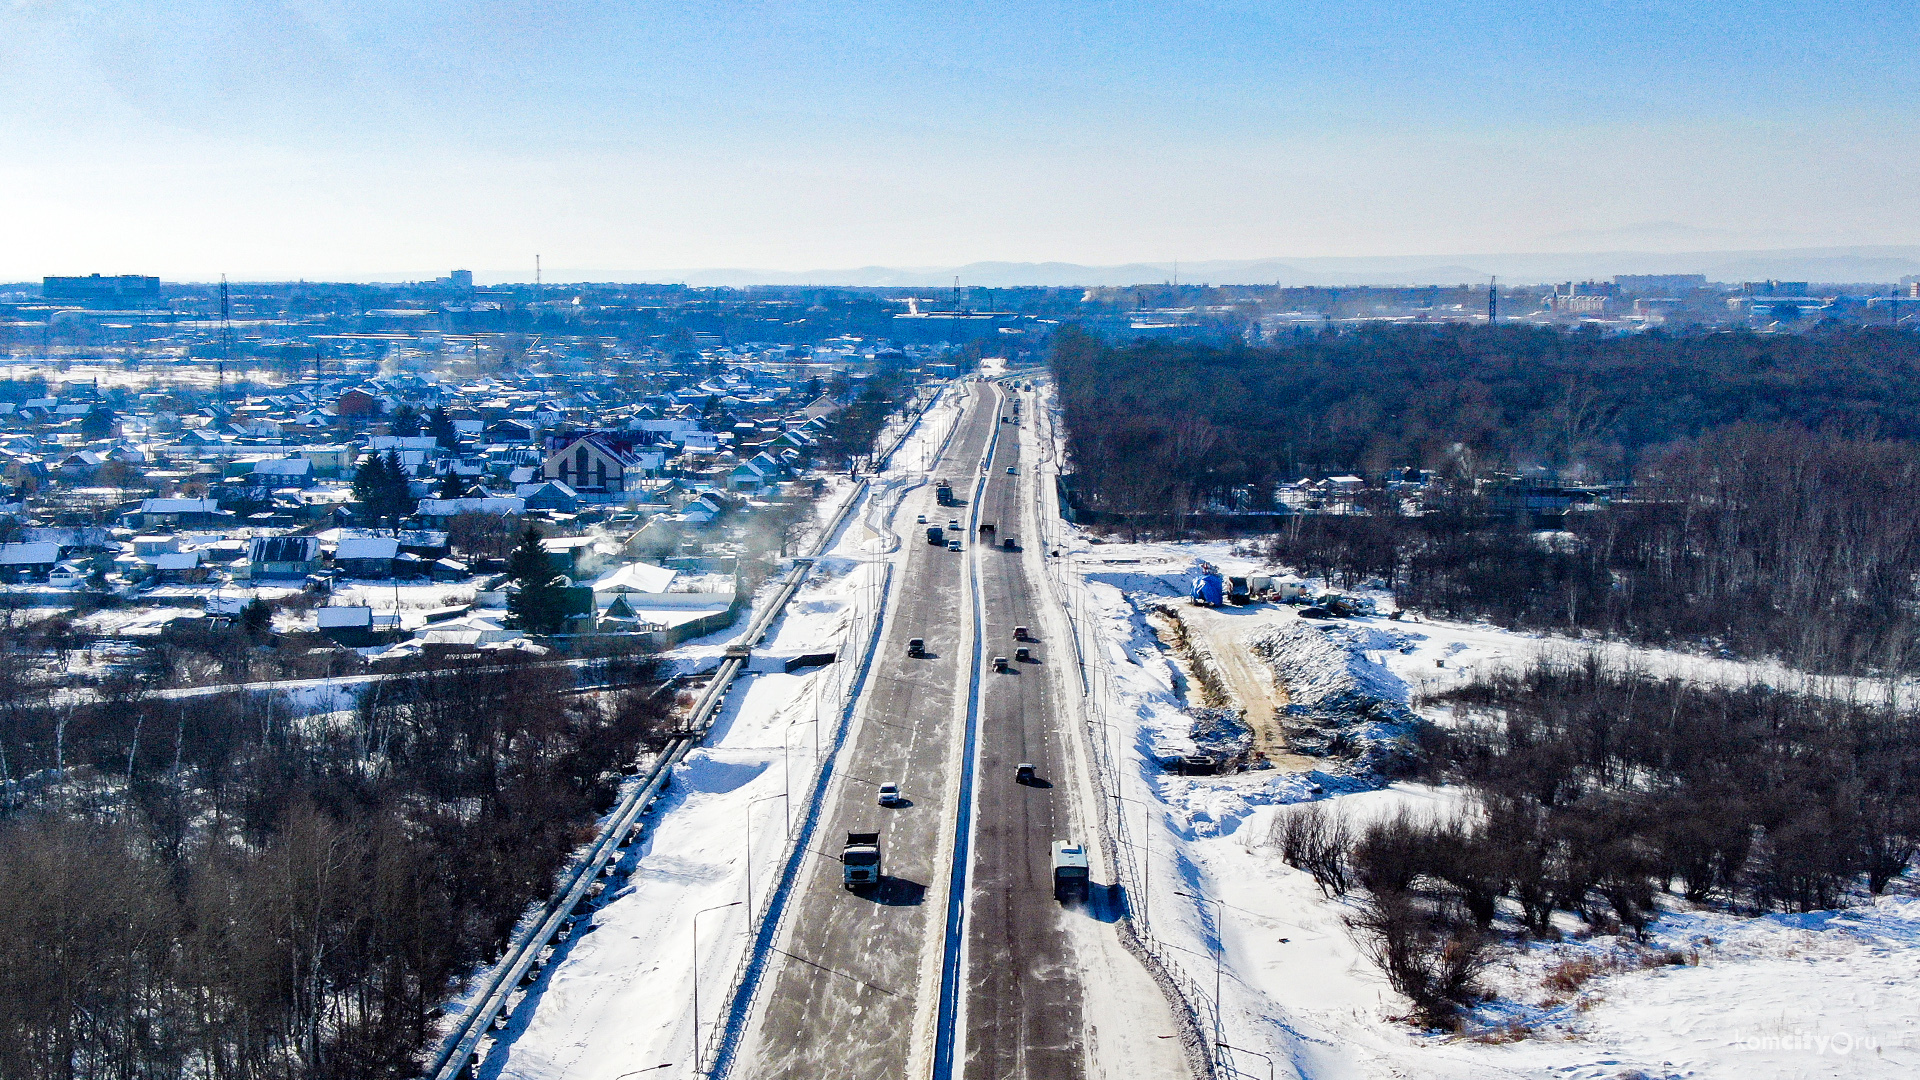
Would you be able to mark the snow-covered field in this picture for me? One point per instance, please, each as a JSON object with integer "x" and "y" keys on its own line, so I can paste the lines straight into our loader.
{"x": 1828, "y": 994}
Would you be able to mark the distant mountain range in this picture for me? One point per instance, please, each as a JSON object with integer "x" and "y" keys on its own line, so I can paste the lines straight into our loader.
{"x": 1829, "y": 264}
{"x": 1883, "y": 264}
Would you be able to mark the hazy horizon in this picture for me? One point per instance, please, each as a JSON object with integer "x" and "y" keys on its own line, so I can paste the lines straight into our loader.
{"x": 1842, "y": 265}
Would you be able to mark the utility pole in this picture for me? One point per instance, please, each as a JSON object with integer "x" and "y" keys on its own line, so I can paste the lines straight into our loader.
{"x": 226, "y": 344}
{"x": 696, "y": 979}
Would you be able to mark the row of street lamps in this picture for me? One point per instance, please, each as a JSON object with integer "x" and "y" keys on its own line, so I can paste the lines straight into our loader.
{"x": 1095, "y": 684}
{"x": 786, "y": 796}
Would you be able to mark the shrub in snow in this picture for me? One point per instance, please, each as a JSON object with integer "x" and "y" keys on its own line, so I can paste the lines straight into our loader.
{"x": 1431, "y": 958}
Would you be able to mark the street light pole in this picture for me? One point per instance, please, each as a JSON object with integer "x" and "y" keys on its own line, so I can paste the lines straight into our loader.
{"x": 696, "y": 979}
{"x": 749, "y": 832}
{"x": 786, "y": 766}
{"x": 1146, "y": 860}
{"x": 1219, "y": 946}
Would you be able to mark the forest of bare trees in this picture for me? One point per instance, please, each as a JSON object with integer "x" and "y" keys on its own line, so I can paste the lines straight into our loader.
{"x": 1756, "y": 540}
{"x": 1156, "y": 426}
{"x": 211, "y": 886}
{"x": 1593, "y": 791}
{"x": 1758, "y": 491}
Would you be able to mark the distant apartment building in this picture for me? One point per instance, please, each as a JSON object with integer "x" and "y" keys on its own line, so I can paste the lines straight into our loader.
{"x": 1777, "y": 300}
{"x": 1792, "y": 289}
{"x": 1585, "y": 298}
{"x": 458, "y": 279}
{"x": 1658, "y": 284}
{"x": 122, "y": 290}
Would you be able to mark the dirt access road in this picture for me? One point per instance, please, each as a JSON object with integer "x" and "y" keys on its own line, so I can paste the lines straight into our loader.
{"x": 1247, "y": 678}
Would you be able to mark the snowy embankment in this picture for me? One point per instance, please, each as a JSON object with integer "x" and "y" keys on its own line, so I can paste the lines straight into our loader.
{"x": 1827, "y": 994}
{"x": 619, "y": 994}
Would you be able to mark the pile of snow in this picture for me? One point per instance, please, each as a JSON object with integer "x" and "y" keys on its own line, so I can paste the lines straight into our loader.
{"x": 1343, "y": 704}
{"x": 1221, "y": 734}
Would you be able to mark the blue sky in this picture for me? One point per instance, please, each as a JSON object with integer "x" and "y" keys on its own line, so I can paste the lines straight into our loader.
{"x": 360, "y": 139}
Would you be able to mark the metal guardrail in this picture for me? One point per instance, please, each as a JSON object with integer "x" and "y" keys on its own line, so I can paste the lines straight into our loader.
{"x": 946, "y": 1019}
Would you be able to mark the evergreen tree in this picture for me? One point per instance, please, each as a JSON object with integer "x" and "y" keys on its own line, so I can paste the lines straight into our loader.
{"x": 453, "y": 486}
{"x": 369, "y": 480}
{"x": 396, "y": 498}
{"x": 380, "y": 485}
{"x": 257, "y": 620}
{"x": 405, "y": 422}
{"x": 535, "y": 605}
{"x": 440, "y": 426}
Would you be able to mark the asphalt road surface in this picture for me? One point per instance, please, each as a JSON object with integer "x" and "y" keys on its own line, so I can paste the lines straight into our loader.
{"x": 856, "y": 989}
{"x": 1023, "y": 1011}
{"x": 850, "y": 991}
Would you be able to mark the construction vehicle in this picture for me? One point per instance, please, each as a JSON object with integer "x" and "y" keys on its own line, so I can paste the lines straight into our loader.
{"x": 860, "y": 860}
{"x": 1207, "y": 588}
{"x": 1239, "y": 593}
{"x": 1070, "y": 877}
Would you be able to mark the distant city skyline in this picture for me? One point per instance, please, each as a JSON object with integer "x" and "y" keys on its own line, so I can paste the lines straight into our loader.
{"x": 353, "y": 141}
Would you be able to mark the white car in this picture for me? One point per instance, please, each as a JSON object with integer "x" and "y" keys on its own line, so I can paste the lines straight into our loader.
{"x": 889, "y": 794}
{"x": 922, "y": 519}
